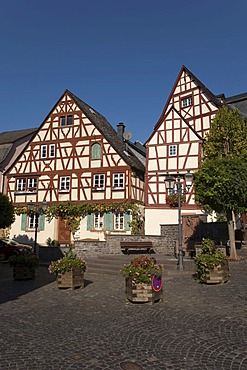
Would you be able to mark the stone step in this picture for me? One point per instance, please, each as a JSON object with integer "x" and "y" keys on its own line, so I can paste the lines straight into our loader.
{"x": 111, "y": 264}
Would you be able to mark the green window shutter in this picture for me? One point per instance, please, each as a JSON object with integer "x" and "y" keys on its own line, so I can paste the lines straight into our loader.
{"x": 89, "y": 221}
{"x": 23, "y": 221}
{"x": 127, "y": 221}
{"x": 42, "y": 222}
{"x": 96, "y": 151}
{"x": 108, "y": 221}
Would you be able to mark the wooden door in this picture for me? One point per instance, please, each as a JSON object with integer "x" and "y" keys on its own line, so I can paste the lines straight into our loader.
{"x": 64, "y": 235}
{"x": 191, "y": 232}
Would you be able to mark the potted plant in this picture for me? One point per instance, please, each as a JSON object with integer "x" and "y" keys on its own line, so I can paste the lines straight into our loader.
{"x": 69, "y": 271}
{"x": 24, "y": 265}
{"x": 212, "y": 264}
{"x": 143, "y": 278}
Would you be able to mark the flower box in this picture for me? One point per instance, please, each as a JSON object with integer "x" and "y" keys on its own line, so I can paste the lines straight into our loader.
{"x": 142, "y": 292}
{"x": 71, "y": 279}
{"x": 218, "y": 274}
{"x": 23, "y": 273}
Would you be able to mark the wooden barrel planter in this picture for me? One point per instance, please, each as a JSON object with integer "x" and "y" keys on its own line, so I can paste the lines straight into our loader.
{"x": 23, "y": 273}
{"x": 71, "y": 279}
{"x": 219, "y": 274}
{"x": 142, "y": 292}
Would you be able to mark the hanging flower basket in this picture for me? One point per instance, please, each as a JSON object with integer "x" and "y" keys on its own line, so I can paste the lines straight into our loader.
{"x": 172, "y": 200}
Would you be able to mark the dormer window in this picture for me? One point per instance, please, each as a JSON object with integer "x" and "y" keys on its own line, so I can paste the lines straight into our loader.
{"x": 66, "y": 120}
{"x": 187, "y": 102}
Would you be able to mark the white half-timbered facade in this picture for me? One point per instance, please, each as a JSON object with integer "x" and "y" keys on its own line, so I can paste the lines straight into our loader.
{"x": 175, "y": 146}
{"x": 76, "y": 156}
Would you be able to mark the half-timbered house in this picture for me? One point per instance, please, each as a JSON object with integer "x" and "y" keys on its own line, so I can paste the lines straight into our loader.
{"x": 11, "y": 145}
{"x": 76, "y": 157}
{"x": 175, "y": 146}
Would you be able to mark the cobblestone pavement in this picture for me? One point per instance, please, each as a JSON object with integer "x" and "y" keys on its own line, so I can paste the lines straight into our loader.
{"x": 195, "y": 327}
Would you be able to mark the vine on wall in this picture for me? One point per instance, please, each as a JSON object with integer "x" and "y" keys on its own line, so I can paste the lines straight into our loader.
{"x": 72, "y": 213}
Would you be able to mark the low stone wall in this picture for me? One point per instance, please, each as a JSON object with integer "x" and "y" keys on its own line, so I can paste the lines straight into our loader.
{"x": 161, "y": 244}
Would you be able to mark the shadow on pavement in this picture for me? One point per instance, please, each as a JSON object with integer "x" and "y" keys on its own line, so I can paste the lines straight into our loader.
{"x": 11, "y": 290}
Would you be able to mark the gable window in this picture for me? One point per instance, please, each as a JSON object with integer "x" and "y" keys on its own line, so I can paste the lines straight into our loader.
{"x": 187, "y": 102}
{"x": 98, "y": 221}
{"x": 119, "y": 221}
{"x": 99, "y": 181}
{"x": 66, "y": 120}
{"x": 172, "y": 150}
{"x": 96, "y": 151}
{"x": 43, "y": 151}
{"x": 26, "y": 184}
{"x": 64, "y": 184}
{"x": 52, "y": 150}
{"x": 118, "y": 180}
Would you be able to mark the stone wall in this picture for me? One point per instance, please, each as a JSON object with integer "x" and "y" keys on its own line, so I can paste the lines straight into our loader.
{"x": 162, "y": 244}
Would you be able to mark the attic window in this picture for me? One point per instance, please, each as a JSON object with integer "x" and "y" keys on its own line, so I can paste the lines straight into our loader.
{"x": 66, "y": 120}
{"x": 187, "y": 102}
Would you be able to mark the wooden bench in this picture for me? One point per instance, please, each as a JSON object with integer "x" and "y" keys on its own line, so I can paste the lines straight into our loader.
{"x": 148, "y": 245}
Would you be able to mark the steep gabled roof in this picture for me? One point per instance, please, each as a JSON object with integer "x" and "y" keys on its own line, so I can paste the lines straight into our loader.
{"x": 108, "y": 132}
{"x": 11, "y": 136}
{"x": 8, "y": 138}
{"x": 239, "y": 102}
{"x": 205, "y": 90}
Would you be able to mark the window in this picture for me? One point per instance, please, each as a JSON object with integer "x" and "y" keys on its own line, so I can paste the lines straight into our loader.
{"x": 21, "y": 185}
{"x": 43, "y": 151}
{"x": 26, "y": 184}
{"x": 98, "y": 221}
{"x": 64, "y": 183}
{"x": 172, "y": 150}
{"x": 31, "y": 221}
{"x": 118, "y": 180}
{"x": 119, "y": 221}
{"x": 32, "y": 184}
{"x": 186, "y": 102}
{"x": 66, "y": 120}
{"x": 96, "y": 151}
{"x": 52, "y": 150}
{"x": 99, "y": 181}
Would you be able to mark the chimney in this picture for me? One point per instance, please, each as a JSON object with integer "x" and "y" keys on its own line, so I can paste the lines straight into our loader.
{"x": 120, "y": 130}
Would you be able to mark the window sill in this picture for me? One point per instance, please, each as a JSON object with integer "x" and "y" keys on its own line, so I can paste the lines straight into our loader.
{"x": 118, "y": 188}
{"x": 98, "y": 189}
{"x": 24, "y": 192}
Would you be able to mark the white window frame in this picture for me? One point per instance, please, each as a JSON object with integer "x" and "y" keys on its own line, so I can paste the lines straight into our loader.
{"x": 186, "y": 102}
{"x": 119, "y": 221}
{"x": 64, "y": 183}
{"x": 52, "y": 148}
{"x": 99, "y": 181}
{"x": 118, "y": 180}
{"x": 43, "y": 152}
{"x": 31, "y": 219}
{"x": 173, "y": 149}
{"x": 98, "y": 221}
{"x": 32, "y": 184}
{"x": 21, "y": 184}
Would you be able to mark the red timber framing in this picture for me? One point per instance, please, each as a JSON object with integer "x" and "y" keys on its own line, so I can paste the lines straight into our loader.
{"x": 65, "y": 166}
{"x": 176, "y": 142}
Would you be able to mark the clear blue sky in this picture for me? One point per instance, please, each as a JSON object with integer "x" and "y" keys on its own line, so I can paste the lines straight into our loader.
{"x": 120, "y": 57}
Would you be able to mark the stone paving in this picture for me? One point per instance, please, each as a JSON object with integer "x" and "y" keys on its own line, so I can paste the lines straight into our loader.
{"x": 195, "y": 327}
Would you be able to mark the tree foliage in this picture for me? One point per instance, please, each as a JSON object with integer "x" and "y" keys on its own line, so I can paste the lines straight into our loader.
{"x": 221, "y": 185}
{"x": 7, "y": 216}
{"x": 227, "y": 136}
